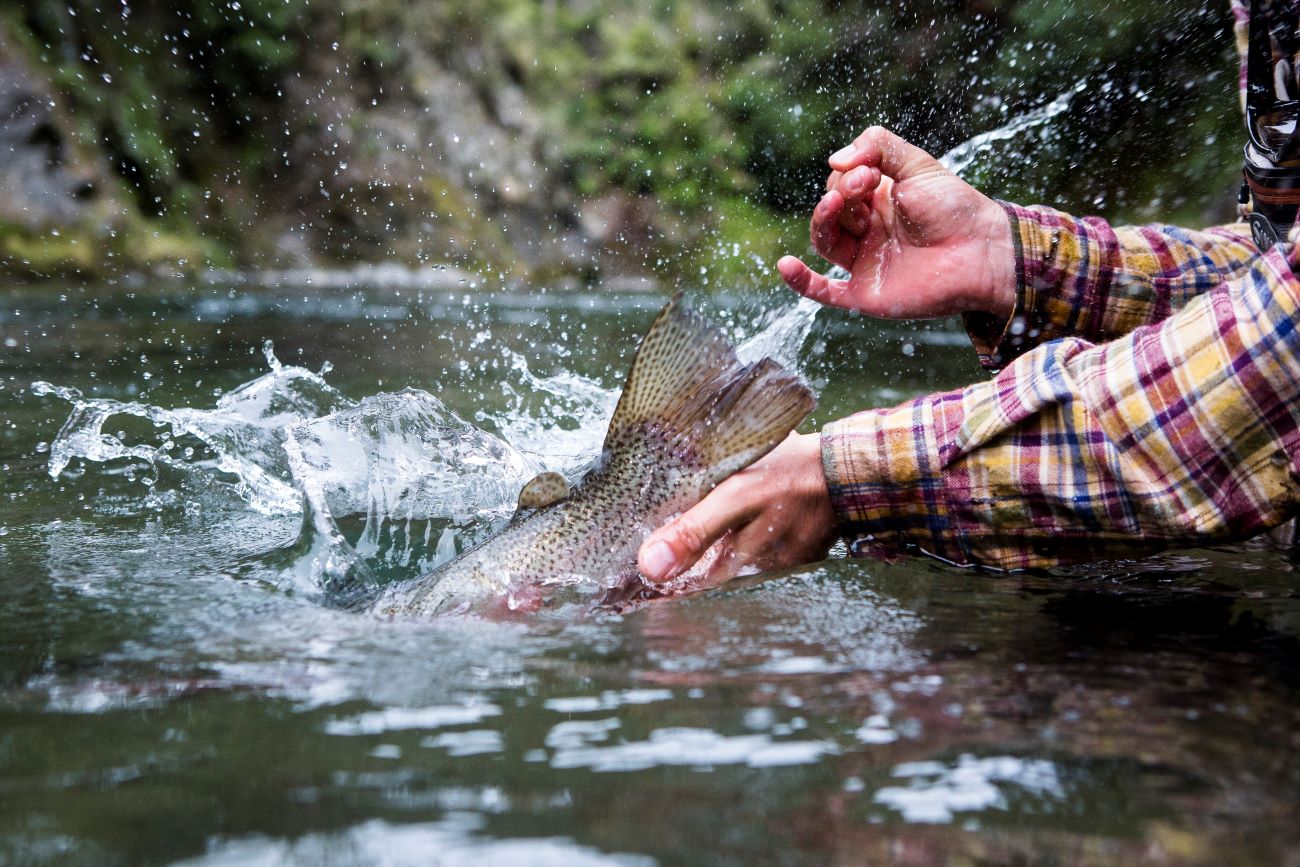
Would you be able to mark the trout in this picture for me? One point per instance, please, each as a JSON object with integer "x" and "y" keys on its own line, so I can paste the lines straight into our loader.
{"x": 689, "y": 416}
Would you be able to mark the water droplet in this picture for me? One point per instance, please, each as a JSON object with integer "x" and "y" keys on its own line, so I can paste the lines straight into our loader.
{"x": 268, "y": 350}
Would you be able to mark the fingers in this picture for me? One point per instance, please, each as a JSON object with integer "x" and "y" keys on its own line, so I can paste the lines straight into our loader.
{"x": 774, "y": 540}
{"x": 845, "y": 207}
{"x": 880, "y": 148}
{"x": 776, "y": 512}
{"x": 748, "y": 548}
{"x": 857, "y": 187}
{"x": 826, "y": 229}
{"x": 858, "y": 184}
{"x": 810, "y": 284}
{"x": 674, "y": 548}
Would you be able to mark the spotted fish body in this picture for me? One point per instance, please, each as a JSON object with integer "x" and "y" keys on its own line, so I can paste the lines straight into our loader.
{"x": 690, "y": 416}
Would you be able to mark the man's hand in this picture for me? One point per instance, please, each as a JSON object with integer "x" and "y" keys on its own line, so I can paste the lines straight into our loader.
{"x": 778, "y": 512}
{"x": 917, "y": 240}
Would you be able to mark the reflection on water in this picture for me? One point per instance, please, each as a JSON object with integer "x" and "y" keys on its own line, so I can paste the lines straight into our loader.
{"x": 937, "y": 791}
{"x": 172, "y": 689}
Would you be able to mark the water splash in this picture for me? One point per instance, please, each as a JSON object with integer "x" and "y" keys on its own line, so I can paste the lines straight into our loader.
{"x": 409, "y": 465}
{"x": 406, "y": 456}
{"x": 237, "y": 443}
{"x": 783, "y": 338}
{"x": 967, "y": 155}
{"x": 388, "y": 486}
{"x": 558, "y": 420}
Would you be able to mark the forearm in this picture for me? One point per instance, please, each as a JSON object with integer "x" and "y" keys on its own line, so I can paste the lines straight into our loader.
{"x": 1084, "y": 278}
{"x": 1185, "y": 432}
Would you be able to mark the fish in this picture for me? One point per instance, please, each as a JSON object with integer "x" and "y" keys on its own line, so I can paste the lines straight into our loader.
{"x": 690, "y": 415}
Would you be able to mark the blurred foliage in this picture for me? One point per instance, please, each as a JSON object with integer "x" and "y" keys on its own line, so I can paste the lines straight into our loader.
{"x": 217, "y": 116}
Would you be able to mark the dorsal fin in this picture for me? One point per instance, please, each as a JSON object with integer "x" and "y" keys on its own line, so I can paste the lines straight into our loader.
{"x": 544, "y": 489}
{"x": 688, "y": 391}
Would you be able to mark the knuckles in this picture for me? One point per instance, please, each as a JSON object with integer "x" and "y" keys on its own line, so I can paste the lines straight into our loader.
{"x": 872, "y": 136}
{"x": 688, "y": 538}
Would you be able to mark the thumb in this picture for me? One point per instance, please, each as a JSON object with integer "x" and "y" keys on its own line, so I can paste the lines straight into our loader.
{"x": 810, "y": 284}
{"x": 894, "y": 156}
{"x": 674, "y": 547}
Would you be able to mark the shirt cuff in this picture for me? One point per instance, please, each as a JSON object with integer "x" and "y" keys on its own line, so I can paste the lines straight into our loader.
{"x": 884, "y": 470}
{"x": 1036, "y": 234}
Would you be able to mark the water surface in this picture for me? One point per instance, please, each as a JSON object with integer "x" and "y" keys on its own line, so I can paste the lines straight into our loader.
{"x": 173, "y": 687}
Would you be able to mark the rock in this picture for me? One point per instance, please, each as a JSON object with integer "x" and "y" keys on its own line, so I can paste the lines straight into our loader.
{"x": 47, "y": 184}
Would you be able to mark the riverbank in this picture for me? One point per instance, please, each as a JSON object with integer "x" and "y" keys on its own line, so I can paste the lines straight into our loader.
{"x": 546, "y": 141}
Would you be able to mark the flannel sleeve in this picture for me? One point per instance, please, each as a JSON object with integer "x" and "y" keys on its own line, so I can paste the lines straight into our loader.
{"x": 1182, "y": 432}
{"x": 1083, "y": 278}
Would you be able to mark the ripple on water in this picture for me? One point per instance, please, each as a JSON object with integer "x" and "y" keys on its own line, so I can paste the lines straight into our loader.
{"x": 397, "y": 718}
{"x": 453, "y": 841}
{"x": 691, "y": 747}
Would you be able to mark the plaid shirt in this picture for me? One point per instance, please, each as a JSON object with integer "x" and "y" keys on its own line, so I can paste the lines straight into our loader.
{"x": 1151, "y": 398}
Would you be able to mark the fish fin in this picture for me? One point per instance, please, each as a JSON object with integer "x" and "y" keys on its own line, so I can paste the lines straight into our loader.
{"x": 688, "y": 392}
{"x": 545, "y": 489}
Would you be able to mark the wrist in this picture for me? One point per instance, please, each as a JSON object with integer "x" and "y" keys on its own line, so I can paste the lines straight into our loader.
{"x": 998, "y": 284}
{"x": 817, "y": 511}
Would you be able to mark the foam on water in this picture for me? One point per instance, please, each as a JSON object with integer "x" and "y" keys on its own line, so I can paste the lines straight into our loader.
{"x": 692, "y": 747}
{"x": 457, "y": 840}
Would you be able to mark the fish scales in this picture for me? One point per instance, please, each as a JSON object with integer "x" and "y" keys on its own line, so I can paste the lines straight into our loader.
{"x": 690, "y": 415}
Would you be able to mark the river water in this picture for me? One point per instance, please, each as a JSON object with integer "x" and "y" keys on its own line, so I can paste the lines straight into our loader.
{"x": 180, "y": 497}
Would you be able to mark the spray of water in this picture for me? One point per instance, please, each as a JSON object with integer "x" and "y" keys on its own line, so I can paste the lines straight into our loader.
{"x": 971, "y": 153}
{"x": 421, "y": 483}
{"x": 236, "y": 443}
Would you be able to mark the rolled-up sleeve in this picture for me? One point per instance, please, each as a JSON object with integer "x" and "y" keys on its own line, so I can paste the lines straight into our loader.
{"x": 1181, "y": 432}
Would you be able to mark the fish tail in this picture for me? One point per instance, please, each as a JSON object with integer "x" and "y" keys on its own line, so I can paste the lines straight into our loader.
{"x": 690, "y": 395}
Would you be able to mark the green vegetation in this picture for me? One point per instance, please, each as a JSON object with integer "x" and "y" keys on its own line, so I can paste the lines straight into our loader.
{"x": 265, "y": 131}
